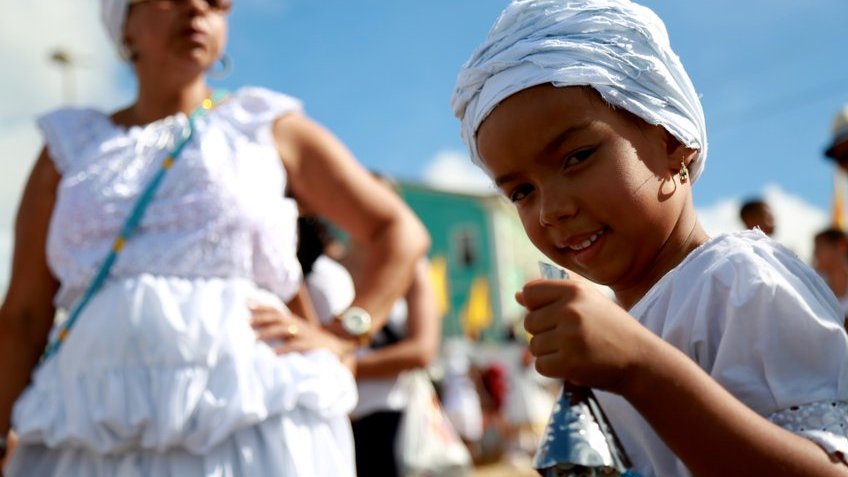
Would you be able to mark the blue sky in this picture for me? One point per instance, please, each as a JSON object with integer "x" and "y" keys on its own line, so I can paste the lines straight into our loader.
{"x": 772, "y": 75}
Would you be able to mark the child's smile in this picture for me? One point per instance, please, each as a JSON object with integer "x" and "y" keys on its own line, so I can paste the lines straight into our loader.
{"x": 595, "y": 187}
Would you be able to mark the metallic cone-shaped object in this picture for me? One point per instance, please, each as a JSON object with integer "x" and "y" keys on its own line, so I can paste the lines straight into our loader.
{"x": 578, "y": 441}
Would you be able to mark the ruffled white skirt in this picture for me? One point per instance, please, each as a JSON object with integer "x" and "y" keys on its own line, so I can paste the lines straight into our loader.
{"x": 164, "y": 377}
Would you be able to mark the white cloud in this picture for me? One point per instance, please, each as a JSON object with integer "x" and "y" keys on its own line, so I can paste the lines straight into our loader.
{"x": 453, "y": 171}
{"x": 797, "y": 221}
{"x": 31, "y": 85}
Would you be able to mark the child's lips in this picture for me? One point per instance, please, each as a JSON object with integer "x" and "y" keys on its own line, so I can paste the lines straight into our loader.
{"x": 584, "y": 248}
{"x": 576, "y": 243}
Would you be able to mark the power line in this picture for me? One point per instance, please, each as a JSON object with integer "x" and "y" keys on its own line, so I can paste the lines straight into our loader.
{"x": 779, "y": 105}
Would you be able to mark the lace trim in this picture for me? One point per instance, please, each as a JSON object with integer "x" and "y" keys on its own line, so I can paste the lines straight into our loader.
{"x": 825, "y": 423}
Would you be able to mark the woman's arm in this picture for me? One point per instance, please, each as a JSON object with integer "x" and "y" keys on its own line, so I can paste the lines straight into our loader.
{"x": 424, "y": 328}
{"x": 329, "y": 182}
{"x": 27, "y": 311}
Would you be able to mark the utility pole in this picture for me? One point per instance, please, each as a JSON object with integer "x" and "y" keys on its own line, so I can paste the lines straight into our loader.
{"x": 67, "y": 62}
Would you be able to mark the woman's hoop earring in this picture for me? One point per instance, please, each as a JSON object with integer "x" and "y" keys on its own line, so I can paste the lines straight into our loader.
{"x": 225, "y": 69}
{"x": 684, "y": 172}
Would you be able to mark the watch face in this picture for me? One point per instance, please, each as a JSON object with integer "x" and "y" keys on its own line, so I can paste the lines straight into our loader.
{"x": 356, "y": 321}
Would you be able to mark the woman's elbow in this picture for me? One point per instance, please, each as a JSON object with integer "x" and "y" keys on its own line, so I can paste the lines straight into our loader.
{"x": 416, "y": 239}
{"x": 426, "y": 354}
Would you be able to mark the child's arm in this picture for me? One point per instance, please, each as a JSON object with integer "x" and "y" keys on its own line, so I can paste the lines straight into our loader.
{"x": 584, "y": 338}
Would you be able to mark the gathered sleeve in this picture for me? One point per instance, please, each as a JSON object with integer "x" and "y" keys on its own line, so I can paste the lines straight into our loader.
{"x": 775, "y": 340}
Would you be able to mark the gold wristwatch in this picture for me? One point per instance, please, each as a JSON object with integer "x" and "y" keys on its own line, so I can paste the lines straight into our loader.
{"x": 356, "y": 322}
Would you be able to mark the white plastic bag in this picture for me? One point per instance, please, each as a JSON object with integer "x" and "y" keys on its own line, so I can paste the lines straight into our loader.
{"x": 427, "y": 444}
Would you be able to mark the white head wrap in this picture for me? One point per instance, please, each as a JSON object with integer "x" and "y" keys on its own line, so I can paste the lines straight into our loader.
{"x": 113, "y": 14}
{"x": 617, "y": 47}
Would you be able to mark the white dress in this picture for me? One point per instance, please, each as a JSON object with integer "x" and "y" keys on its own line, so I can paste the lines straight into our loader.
{"x": 760, "y": 322}
{"x": 162, "y": 374}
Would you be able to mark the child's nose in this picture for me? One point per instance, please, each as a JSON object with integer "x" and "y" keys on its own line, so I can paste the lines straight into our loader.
{"x": 556, "y": 206}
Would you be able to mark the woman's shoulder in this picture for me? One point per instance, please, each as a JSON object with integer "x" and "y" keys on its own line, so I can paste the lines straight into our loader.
{"x": 67, "y": 131}
{"x": 251, "y": 110}
{"x": 254, "y": 103}
{"x": 73, "y": 118}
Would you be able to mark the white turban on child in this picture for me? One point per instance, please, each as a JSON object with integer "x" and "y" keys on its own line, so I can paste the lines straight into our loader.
{"x": 113, "y": 14}
{"x": 617, "y": 47}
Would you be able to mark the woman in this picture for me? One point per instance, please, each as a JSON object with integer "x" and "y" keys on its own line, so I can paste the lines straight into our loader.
{"x": 162, "y": 373}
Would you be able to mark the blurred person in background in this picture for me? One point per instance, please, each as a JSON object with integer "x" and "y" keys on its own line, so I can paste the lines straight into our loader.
{"x": 838, "y": 148}
{"x": 408, "y": 340}
{"x": 830, "y": 259}
{"x": 756, "y": 213}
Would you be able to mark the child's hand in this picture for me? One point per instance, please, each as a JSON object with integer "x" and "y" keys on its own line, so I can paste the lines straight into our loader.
{"x": 581, "y": 336}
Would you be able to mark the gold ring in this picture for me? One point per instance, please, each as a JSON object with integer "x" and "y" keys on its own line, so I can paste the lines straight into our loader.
{"x": 292, "y": 330}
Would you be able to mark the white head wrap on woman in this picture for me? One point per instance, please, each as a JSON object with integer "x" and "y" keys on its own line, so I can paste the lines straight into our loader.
{"x": 113, "y": 13}
{"x": 617, "y": 47}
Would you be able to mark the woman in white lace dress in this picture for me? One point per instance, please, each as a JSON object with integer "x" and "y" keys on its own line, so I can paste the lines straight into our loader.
{"x": 162, "y": 374}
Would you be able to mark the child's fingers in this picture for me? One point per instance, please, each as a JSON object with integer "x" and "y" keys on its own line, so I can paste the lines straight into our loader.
{"x": 544, "y": 343}
{"x": 519, "y": 297}
{"x": 550, "y": 365}
{"x": 537, "y": 322}
{"x": 540, "y": 293}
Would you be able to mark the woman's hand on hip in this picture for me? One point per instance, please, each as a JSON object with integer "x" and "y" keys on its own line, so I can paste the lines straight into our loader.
{"x": 287, "y": 333}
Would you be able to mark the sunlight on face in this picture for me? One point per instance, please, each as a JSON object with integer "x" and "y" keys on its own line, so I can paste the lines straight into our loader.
{"x": 181, "y": 34}
{"x": 594, "y": 187}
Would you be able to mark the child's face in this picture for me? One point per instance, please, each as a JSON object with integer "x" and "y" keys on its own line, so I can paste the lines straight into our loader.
{"x": 595, "y": 188}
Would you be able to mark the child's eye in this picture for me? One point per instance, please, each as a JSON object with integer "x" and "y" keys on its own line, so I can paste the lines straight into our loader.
{"x": 520, "y": 192}
{"x": 577, "y": 157}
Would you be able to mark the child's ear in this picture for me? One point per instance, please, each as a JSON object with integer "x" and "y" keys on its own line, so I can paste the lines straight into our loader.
{"x": 676, "y": 151}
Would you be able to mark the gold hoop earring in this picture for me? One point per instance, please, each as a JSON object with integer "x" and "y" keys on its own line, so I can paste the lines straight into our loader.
{"x": 684, "y": 172}
{"x": 226, "y": 62}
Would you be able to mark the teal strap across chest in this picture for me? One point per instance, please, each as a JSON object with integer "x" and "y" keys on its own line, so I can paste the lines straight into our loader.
{"x": 131, "y": 223}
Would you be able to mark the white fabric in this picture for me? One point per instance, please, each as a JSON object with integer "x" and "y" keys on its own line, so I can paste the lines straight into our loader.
{"x": 755, "y": 318}
{"x": 330, "y": 288}
{"x": 459, "y": 394}
{"x": 825, "y": 423}
{"x": 113, "y": 14}
{"x": 220, "y": 211}
{"x": 383, "y": 394}
{"x": 162, "y": 374}
{"x": 617, "y": 47}
{"x": 528, "y": 400}
{"x": 161, "y": 365}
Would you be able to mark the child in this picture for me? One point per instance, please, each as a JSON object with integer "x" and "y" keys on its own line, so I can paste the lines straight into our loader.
{"x": 726, "y": 355}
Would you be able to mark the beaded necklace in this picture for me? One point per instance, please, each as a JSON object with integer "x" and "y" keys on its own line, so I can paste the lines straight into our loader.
{"x": 132, "y": 222}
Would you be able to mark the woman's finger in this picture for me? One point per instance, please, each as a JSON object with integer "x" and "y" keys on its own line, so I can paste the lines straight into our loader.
{"x": 279, "y": 331}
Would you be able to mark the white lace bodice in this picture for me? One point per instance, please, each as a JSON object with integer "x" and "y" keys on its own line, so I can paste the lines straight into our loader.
{"x": 220, "y": 211}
